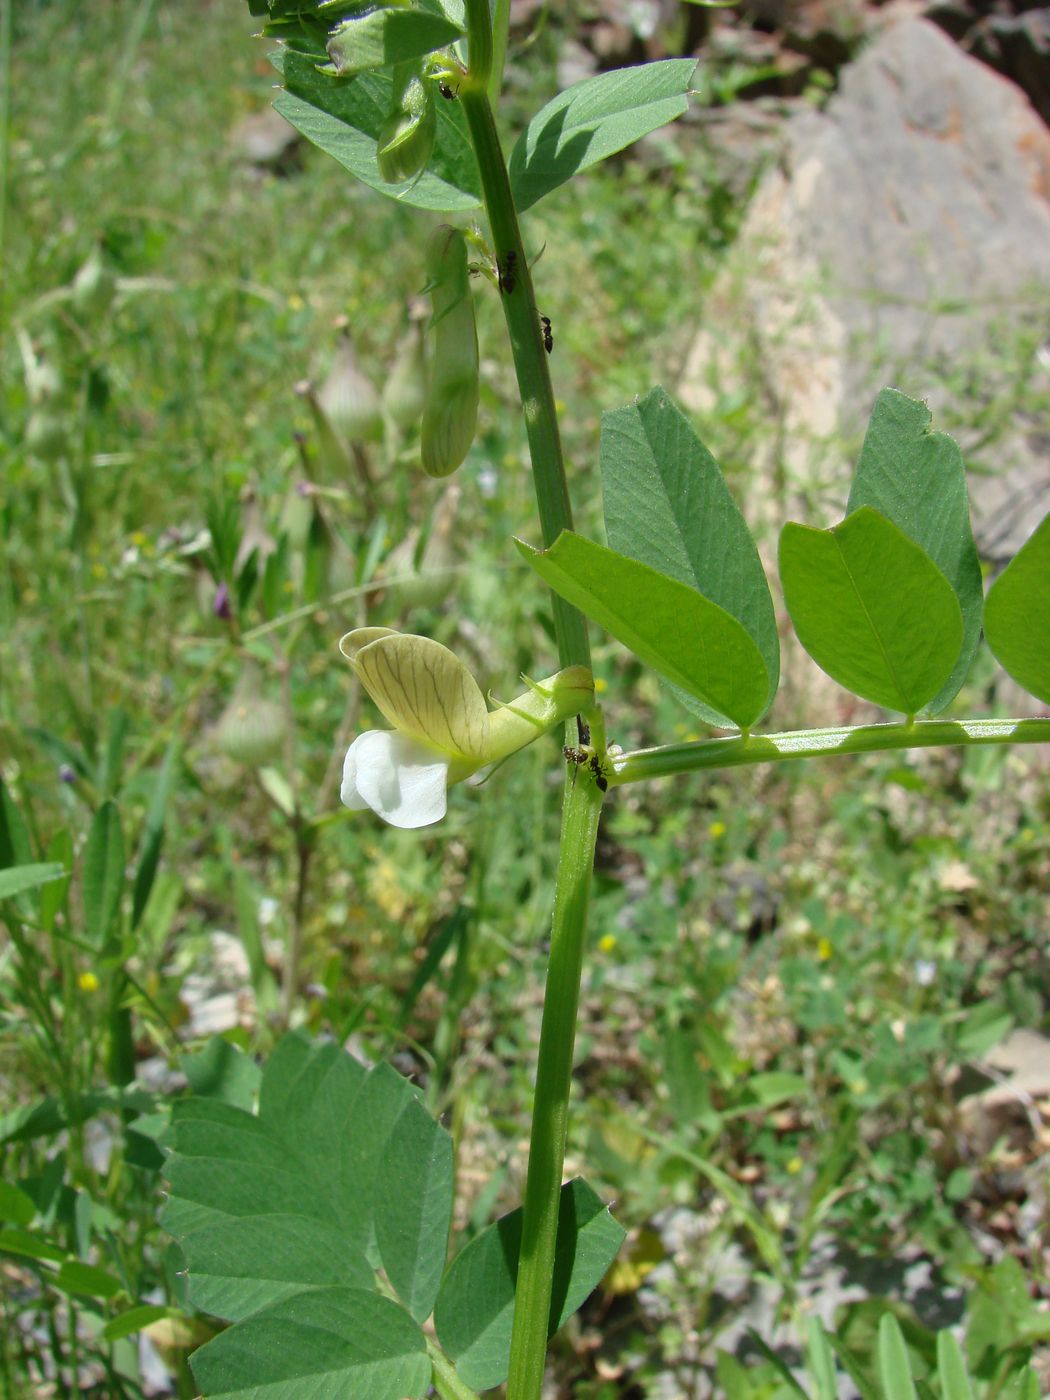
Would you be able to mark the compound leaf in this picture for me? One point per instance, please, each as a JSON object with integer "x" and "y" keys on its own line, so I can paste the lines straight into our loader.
{"x": 268, "y": 1205}
{"x": 329, "y": 1344}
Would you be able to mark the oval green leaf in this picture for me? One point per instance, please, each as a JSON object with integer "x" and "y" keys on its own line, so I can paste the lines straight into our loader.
{"x": 1017, "y": 615}
{"x": 593, "y": 120}
{"x": 871, "y": 609}
{"x": 691, "y": 641}
{"x": 916, "y": 479}
{"x": 667, "y": 505}
{"x": 330, "y": 1344}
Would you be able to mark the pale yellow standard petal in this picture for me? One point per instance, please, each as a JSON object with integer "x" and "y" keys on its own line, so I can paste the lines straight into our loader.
{"x": 422, "y": 689}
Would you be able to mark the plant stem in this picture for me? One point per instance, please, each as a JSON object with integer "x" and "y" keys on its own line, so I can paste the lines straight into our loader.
{"x": 447, "y": 1384}
{"x": 550, "y": 1113}
{"x": 526, "y": 342}
{"x": 583, "y": 800}
{"x": 738, "y": 751}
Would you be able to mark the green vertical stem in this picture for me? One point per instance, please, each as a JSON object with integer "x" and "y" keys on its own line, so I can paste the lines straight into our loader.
{"x": 582, "y": 804}
{"x": 530, "y": 358}
{"x": 550, "y": 1112}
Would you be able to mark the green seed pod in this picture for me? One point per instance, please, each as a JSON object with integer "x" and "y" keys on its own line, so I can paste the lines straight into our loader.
{"x": 406, "y": 138}
{"x": 251, "y": 729}
{"x": 45, "y": 436}
{"x": 450, "y": 414}
{"x": 348, "y": 398}
{"x": 94, "y": 287}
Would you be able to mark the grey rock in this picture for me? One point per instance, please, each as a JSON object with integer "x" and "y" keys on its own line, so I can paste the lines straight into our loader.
{"x": 905, "y": 240}
{"x": 1019, "y": 47}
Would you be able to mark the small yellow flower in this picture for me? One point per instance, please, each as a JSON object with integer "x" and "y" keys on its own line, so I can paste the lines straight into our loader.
{"x": 824, "y": 949}
{"x": 607, "y": 942}
{"x": 600, "y": 685}
{"x": 295, "y": 302}
{"x": 794, "y": 1166}
{"x": 716, "y": 829}
{"x": 88, "y": 982}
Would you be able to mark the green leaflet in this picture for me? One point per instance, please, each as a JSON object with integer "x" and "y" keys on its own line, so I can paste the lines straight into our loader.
{"x": 871, "y": 609}
{"x": 593, "y": 120}
{"x": 475, "y": 1307}
{"x": 691, "y": 641}
{"x": 332, "y": 1344}
{"x": 916, "y": 479}
{"x": 667, "y": 505}
{"x": 1017, "y": 615}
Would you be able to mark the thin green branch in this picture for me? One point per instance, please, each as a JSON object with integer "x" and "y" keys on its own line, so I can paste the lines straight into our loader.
{"x": 740, "y": 750}
{"x": 447, "y": 1384}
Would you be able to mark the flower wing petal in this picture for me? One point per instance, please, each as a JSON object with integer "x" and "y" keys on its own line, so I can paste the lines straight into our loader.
{"x": 425, "y": 691}
{"x": 402, "y": 781}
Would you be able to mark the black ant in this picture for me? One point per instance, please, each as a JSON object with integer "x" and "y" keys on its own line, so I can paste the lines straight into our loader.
{"x": 446, "y": 92}
{"x": 593, "y": 762}
{"x": 548, "y": 335}
{"x": 505, "y": 273}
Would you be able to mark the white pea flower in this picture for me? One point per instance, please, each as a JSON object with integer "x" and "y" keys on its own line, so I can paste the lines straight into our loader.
{"x": 443, "y": 730}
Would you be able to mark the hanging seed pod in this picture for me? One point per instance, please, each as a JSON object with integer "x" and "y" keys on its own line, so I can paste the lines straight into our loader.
{"x": 94, "y": 287}
{"x": 348, "y": 397}
{"x": 43, "y": 381}
{"x": 450, "y": 415}
{"x": 406, "y": 138}
{"x": 404, "y": 393}
{"x": 45, "y": 436}
{"x": 251, "y": 729}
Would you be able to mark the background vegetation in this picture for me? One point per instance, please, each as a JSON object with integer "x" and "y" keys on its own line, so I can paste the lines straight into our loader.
{"x": 793, "y": 974}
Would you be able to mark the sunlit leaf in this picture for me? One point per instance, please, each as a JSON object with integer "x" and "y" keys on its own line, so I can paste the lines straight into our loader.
{"x": 871, "y": 609}
{"x": 593, "y": 120}
{"x": 692, "y": 642}
{"x": 916, "y": 479}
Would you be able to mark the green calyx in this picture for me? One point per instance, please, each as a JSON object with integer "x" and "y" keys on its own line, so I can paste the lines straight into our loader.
{"x": 406, "y": 138}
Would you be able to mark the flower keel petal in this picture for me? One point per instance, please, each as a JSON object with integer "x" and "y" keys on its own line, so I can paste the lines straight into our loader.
{"x": 403, "y": 782}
